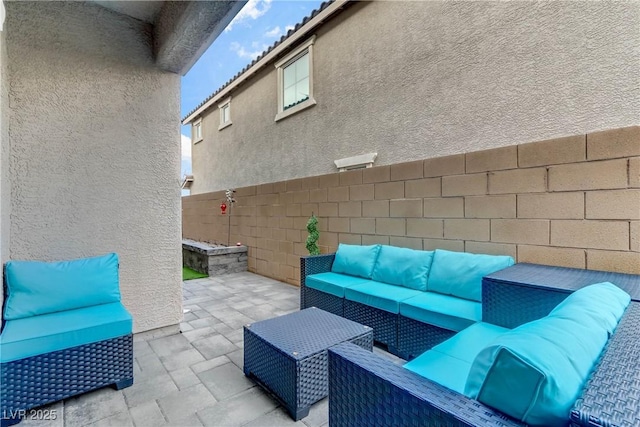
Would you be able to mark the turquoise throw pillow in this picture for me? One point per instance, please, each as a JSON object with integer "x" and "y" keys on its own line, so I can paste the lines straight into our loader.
{"x": 355, "y": 260}
{"x": 36, "y": 287}
{"x": 460, "y": 274}
{"x": 403, "y": 267}
{"x": 536, "y": 371}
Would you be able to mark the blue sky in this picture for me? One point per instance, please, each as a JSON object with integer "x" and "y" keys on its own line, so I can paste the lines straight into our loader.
{"x": 256, "y": 27}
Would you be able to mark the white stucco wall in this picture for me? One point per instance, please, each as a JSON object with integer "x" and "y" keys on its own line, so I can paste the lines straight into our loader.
{"x": 414, "y": 80}
{"x": 95, "y": 149}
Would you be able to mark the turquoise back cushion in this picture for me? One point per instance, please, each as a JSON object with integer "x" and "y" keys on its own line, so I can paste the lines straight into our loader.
{"x": 601, "y": 304}
{"x": 36, "y": 287}
{"x": 460, "y": 274}
{"x": 355, "y": 260}
{"x": 535, "y": 372}
{"x": 403, "y": 267}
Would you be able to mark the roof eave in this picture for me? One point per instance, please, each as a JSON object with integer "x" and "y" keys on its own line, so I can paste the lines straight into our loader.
{"x": 186, "y": 182}
{"x": 269, "y": 57}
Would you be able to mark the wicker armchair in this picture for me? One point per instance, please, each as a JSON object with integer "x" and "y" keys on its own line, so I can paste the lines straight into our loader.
{"x": 70, "y": 351}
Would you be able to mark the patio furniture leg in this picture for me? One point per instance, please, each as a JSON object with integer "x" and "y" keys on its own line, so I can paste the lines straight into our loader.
{"x": 302, "y": 413}
{"x": 10, "y": 419}
{"x": 127, "y": 382}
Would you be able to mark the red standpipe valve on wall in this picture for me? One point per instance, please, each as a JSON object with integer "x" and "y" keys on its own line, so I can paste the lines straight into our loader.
{"x": 223, "y": 208}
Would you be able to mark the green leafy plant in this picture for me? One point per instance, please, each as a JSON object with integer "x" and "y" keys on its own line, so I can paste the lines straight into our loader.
{"x": 314, "y": 235}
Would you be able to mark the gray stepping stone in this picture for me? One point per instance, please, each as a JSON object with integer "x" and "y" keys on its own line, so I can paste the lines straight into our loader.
{"x": 121, "y": 419}
{"x": 184, "y": 377}
{"x": 276, "y": 418}
{"x": 167, "y": 346}
{"x": 183, "y": 403}
{"x": 225, "y": 381}
{"x": 182, "y": 359}
{"x": 209, "y": 364}
{"x": 237, "y": 357}
{"x": 147, "y": 414}
{"x": 318, "y": 414}
{"x": 94, "y": 406}
{"x": 212, "y": 347}
{"x": 153, "y": 388}
{"x": 238, "y": 410}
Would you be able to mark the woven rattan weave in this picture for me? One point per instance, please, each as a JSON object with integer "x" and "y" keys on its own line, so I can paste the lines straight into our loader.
{"x": 288, "y": 354}
{"x": 416, "y": 337}
{"x": 367, "y": 390}
{"x": 313, "y": 265}
{"x": 526, "y": 292}
{"x": 38, "y": 380}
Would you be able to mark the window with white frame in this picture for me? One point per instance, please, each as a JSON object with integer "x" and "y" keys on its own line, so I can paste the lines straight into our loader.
{"x": 295, "y": 80}
{"x": 196, "y": 131}
{"x": 225, "y": 113}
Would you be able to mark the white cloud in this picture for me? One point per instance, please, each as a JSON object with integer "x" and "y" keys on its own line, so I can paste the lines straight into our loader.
{"x": 248, "y": 54}
{"x": 185, "y": 143}
{"x": 276, "y": 32}
{"x": 273, "y": 33}
{"x": 253, "y": 10}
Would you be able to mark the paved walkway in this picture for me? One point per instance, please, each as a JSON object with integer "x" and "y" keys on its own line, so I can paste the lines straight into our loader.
{"x": 195, "y": 378}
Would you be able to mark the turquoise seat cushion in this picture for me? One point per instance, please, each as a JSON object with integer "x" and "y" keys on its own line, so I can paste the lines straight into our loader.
{"x": 31, "y": 336}
{"x": 449, "y": 363}
{"x": 403, "y": 267}
{"x": 36, "y": 288}
{"x": 379, "y": 295}
{"x": 460, "y": 274}
{"x": 355, "y": 260}
{"x": 332, "y": 283}
{"x": 443, "y": 311}
{"x": 442, "y": 369}
{"x": 536, "y": 371}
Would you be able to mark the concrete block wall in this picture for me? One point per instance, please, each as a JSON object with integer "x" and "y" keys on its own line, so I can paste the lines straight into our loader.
{"x": 571, "y": 201}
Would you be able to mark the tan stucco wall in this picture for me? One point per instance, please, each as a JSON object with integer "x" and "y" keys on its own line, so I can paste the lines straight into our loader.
{"x": 95, "y": 155}
{"x": 571, "y": 201}
{"x": 414, "y": 80}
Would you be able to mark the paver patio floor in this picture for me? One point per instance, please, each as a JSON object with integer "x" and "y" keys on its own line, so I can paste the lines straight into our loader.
{"x": 195, "y": 378}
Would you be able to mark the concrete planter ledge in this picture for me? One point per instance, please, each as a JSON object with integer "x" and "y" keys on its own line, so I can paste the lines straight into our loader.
{"x": 213, "y": 259}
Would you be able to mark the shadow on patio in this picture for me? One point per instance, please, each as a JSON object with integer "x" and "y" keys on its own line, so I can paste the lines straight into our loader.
{"x": 195, "y": 378}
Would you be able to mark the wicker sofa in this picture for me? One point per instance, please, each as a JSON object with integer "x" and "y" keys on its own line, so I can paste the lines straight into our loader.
{"x": 369, "y": 390}
{"x": 412, "y": 299}
{"x": 64, "y": 332}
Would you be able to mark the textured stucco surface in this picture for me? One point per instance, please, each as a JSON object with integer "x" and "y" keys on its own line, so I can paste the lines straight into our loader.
{"x": 414, "y": 80}
{"x": 5, "y": 189}
{"x": 95, "y": 157}
{"x": 185, "y": 29}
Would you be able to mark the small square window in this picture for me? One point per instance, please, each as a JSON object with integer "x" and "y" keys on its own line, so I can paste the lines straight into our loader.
{"x": 225, "y": 113}
{"x": 295, "y": 80}
{"x": 196, "y": 131}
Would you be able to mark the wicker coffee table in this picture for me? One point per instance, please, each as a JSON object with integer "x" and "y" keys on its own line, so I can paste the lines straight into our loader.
{"x": 287, "y": 355}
